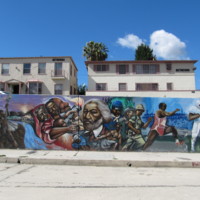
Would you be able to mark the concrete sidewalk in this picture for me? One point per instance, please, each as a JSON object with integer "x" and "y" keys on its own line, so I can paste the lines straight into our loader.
{"x": 97, "y": 158}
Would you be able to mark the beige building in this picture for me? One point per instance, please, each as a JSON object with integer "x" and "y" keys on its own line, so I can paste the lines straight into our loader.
{"x": 171, "y": 78}
{"x": 38, "y": 75}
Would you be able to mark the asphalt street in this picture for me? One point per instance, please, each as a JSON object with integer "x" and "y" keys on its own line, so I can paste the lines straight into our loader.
{"x": 42, "y": 182}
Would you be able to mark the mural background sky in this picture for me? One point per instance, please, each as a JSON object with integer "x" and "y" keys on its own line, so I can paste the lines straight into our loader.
{"x": 62, "y": 28}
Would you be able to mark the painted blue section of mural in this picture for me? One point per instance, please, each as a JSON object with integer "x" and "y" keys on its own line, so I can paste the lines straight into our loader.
{"x": 31, "y": 141}
{"x": 99, "y": 123}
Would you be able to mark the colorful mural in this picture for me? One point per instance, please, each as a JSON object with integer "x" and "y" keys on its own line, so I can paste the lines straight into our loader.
{"x": 100, "y": 123}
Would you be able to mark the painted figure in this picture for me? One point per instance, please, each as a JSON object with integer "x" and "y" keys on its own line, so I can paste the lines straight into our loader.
{"x": 63, "y": 106}
{"x": 44, "y": 123}
{"x": 116, "y": 110}
{"x": 94, "y": 114}
{"x": 58, "y": 109}
{"x": 160, "y": 128}
{"x": 11, "y": 133}
{"x": 112, "y": 139}
{"x": 6, "y": 134}
{"x": 116, "y": 113}
{"x": 135, "y": 140}
{"x": 53, "y": 109}
{"x": 129, "y": 112}
{"x": 194, "y": 114}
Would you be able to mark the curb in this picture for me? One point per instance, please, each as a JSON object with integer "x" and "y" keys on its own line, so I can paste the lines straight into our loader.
{"x": 100, "y": 163}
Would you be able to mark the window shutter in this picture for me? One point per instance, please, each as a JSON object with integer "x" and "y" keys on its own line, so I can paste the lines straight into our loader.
{"x": 95, "y": 68}
{"x": 117, "y": 69}
{"x": 107, "y": 67}
{"x": 169, "y": 66}
{"x": 134, "y": 69}
{"x": 157, "y": 68}
{"x": 127, "y": 68}
{"x": 105, "y": 86}
{"x": 122, "y": 86}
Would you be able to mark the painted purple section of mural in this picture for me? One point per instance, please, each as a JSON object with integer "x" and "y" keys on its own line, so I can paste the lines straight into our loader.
{"x": 100, "y": 123}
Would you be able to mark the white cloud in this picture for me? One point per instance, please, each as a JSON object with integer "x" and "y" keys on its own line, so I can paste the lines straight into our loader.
{"x": 167, "y": 46}
{"x": 130, "y": 41}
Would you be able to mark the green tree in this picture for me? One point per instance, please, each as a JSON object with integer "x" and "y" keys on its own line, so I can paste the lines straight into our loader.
{"x": 94, "y": 51}
{"x": 144, "y": 52}
{"x": 82, "y": 89}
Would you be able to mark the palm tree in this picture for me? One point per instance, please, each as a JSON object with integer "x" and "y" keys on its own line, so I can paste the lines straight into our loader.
{"x": 94, "y": 51}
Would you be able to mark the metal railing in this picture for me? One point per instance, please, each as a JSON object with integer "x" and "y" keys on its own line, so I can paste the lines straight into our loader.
{"x": 58, "y": 73}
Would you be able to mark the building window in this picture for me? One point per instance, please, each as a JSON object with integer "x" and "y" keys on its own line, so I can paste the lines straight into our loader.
{"x": 169, "y": 66}
{"x": 58, "y": 69}
{"x": 182, "y": 70}
{"x": 39, "y": 88}
{"x": 146, "y": 86}
{"x": 70, "y": 70}
{"x": 71, "y": 91}
{"x": 122, "y": 86}
{"x": 27, "y": 68}
{"x": 35, "y": 88}
{"x": 2, "y": 86}
{"x": 169, "y": 86}
{"x": 59, "y": 89}
{"x": 146, "y": 69}
{"x": 122, "y": 69}
{"x": 101, "y": 68}
{"x": 41, "y": 68}
{"x": 5, "y": 69}
{"x": 101, "y": 86}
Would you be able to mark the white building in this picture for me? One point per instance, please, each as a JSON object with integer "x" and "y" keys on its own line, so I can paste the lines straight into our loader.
{"x": 171, "y": 78}
{"x": 38, "y": 75}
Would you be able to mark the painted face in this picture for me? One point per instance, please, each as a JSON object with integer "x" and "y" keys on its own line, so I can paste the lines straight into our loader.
{"x": 139, "y": 112}
{"x": 164, "y": 107}
{"x": 42, "y": 115}
{"x": 62, "y": 122}
{"x": 64, "y": 107}
{"x": 92, "y": 117}
{"x": 116, "y": 112}
{"x": 52, "y": 108}
{"x": 130, "y": 114}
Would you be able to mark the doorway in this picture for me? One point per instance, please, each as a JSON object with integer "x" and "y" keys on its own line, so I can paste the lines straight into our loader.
{"x": 15, "y": 89}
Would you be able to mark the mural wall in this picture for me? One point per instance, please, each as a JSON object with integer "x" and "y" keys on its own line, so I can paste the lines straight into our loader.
{"x": 100, "y": 123}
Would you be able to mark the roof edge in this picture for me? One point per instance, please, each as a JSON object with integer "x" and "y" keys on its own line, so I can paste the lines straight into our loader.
{"x": 141, "y": 61}
{"x": 41, "y": 57}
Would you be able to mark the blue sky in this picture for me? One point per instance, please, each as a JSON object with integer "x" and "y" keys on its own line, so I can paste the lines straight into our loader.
{"x": 63, "y": 27}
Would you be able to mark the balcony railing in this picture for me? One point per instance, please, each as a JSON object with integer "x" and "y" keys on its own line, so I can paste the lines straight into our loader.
{"x": 57, "y": 74}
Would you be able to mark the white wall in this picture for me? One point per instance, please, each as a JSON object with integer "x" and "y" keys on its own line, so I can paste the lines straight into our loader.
{"x": 180, "y": 80}
{"x": 178, "y": 94}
